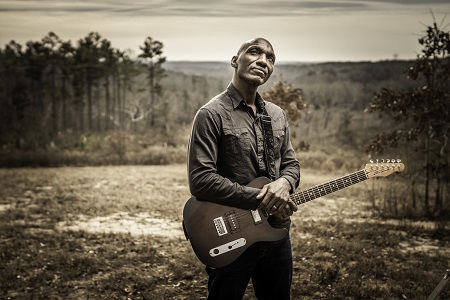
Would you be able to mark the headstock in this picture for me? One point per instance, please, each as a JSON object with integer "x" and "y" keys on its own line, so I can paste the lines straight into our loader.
{"x": 383, "y": 167}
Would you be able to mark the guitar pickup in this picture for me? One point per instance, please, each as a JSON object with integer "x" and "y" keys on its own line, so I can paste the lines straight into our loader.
{"x": 256, "y": 216}
{"x": 232, "y": 221}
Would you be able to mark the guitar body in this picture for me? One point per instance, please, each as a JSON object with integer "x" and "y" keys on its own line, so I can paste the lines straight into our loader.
{"x": 219, "y": 234}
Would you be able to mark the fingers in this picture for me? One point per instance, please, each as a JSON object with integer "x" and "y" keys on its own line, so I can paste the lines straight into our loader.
{"x": 269, "y": 201}
{"x": 275, "y": 196}
{"x": 288, "y": 211}
{"x": 293, "y": 207}
{"x": 262, "y": 192}
{"x": 278, "y": 207}
{"x": 274, "y": 202}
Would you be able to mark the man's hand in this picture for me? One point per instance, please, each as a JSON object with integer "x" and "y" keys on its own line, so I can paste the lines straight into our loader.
{"x": 275, "y": 199}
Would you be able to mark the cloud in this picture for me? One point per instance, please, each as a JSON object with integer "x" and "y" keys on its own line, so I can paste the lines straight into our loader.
{"x": 199, "y": 8}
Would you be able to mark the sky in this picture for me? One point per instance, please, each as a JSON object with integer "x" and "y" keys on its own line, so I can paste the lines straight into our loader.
{"x": 212, "y": 30}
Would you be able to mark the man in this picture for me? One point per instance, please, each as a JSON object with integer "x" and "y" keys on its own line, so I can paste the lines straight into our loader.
{"x": 227, "y": 150}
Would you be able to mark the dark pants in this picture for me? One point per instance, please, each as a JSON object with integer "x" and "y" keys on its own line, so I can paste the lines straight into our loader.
{"x": 268, "y": 265}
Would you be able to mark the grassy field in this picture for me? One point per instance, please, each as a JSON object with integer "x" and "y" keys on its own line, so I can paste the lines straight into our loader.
{"x": 114, "y": 233}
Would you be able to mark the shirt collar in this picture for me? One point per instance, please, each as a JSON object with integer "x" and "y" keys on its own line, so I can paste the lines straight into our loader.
{"x": 237, "y": 98}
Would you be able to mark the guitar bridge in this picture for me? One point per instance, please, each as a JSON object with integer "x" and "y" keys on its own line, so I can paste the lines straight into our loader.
{"x": 229, "y": 220}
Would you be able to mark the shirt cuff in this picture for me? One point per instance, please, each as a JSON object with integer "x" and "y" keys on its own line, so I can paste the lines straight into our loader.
{"x": 292, "y": 182}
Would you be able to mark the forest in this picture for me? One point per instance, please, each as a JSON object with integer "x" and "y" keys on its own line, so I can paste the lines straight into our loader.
{"x": 52, "y": 90}
{"x": 88, "y": 103}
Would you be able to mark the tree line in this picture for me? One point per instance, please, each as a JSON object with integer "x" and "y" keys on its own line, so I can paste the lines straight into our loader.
{"x": 52, "y": 86}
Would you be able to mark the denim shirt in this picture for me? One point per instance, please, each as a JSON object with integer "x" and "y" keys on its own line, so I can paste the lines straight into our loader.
{"x": 226, "y": 150}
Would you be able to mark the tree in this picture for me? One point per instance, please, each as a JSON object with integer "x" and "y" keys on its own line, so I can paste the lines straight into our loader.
{"x": 152, "y": 54}
{"x": 422, "y": 114}
{"x": 289, "y": 98}
{"x": 12, "y": 99}
{"x": 88, "y": 57}
{"x": 126, "y": 72}
{"x": 35, "y": 60}
{"x": 55, "y": 52}
{"x": 66, "y": 52}
{"x": 35, "y": 57}
{"x": 109, "y": 60}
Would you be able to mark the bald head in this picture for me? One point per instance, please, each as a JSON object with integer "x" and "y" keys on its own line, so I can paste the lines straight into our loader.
{"x": 254, "y": 41}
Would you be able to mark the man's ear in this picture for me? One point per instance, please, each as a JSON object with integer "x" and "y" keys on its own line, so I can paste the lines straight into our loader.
{"x": 234, "y": 61}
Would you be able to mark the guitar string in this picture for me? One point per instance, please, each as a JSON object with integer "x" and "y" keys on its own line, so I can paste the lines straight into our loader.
{"x": 245, "y": 215}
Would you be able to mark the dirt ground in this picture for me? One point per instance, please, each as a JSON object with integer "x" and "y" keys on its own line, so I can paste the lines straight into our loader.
{"x": 147, "y": 201}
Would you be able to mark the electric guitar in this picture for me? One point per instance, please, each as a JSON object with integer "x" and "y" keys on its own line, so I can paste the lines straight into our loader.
{"x": 219, "y": 234}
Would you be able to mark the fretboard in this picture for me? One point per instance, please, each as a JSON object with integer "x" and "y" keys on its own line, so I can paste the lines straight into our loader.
{"x": 329, "y": 187}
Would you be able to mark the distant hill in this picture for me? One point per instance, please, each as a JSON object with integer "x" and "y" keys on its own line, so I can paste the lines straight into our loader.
{"x": 380, "y": 70}
{"x": 201, "y": 68}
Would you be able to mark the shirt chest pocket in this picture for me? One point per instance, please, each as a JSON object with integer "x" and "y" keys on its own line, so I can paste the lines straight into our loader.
{"x": 278, "y": 139}
{"x": 236, "y": 142}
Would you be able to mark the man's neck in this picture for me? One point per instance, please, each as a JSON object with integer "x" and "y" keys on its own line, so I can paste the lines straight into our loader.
{"x": 247, "y": 91}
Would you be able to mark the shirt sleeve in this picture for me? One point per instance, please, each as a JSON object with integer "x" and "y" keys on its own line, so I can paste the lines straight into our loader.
{"x": 204, "y": 181}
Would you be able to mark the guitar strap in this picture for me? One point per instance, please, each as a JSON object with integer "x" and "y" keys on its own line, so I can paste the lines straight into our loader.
{"x": 266, "y": 122}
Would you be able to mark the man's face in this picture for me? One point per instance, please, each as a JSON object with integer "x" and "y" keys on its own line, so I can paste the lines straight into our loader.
{"x": 254, "y": 62}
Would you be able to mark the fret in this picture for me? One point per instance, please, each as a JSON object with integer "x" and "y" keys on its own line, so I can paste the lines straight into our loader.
{"x": 355, "y": 177}
{"x": 311, "y": 193}
{"x": 316, "y": 192}
{"x": 333, "y": 185}
{"x": 303, "y": 197}
{"x": 362, "y": 175}
{"x": 348, "y": 180}
{"x": 299, "y": 198}
{"x": 340, "y": 183}
{"x": 306, "y": 196}
{"x": 327, "y": 188}
{"x": 321, "y": 189}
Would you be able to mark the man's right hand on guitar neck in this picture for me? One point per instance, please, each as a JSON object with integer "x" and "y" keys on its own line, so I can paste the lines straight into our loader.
{"x": 275, "y": 199}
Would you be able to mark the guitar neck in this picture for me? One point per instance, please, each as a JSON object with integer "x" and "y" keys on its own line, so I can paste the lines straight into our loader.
{"x": 329, "y": 187}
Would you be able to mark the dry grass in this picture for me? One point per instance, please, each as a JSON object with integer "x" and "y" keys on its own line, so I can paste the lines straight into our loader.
{"x": 341, "y": 250}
